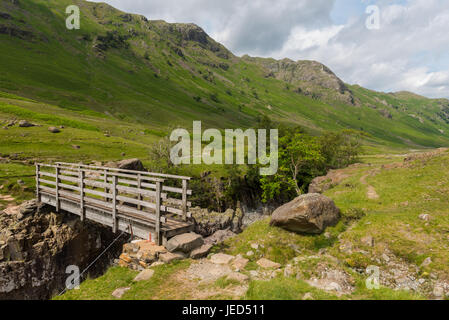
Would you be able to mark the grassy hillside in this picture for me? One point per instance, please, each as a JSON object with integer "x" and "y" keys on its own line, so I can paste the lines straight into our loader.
{"x": 411, "y": 252}
{"x": 163, "y": 75}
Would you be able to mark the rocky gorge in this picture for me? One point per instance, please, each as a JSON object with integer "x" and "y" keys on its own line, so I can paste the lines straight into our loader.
{"x": 37, "y": 246}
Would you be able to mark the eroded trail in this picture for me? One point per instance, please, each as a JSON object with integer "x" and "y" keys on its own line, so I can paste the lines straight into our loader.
{"x": 371, "y": 192}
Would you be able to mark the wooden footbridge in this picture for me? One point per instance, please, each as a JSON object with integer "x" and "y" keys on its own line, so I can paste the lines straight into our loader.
{"x": 152, "y": 206}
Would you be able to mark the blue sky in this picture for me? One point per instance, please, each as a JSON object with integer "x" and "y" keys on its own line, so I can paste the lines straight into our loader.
{"x": 409, "y": 51}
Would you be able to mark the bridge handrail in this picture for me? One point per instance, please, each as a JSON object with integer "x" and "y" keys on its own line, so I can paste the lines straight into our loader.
{"x": 162, "y": 175}
{"x": 87, "y": 176}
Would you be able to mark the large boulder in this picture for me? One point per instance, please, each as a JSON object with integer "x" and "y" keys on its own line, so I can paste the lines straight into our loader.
{"x": 309, "y": 213}
{"x": 185, "y": 242}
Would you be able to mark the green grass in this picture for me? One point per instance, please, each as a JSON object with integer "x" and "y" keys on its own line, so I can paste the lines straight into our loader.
{"x": 158, "y": 287}
{"x": 10, "y": 174}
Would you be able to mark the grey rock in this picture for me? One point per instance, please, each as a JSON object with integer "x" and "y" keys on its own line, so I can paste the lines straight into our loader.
{"x": 118, "y": 293}
{"x": 144, "y": 275}
{"x": 201, "y": 252}
{"x": 25, "y": 124}
{"x": 221, "y": 258}
{"x": 184, "y": 242}
{"x": 169, "y": 257}
{"x": 219, "y": 237}
{"x": 54, "y": 130}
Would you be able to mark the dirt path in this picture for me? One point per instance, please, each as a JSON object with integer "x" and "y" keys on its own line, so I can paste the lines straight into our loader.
{"x": 371, "y": 191}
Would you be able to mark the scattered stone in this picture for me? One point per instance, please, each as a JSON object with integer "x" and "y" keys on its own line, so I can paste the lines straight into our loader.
{"x": 250, "y": 253}
{"x": 327, "y": 235}
{"x": 240, "y": 277}
{"x": 240, "y": 263}
{"x": 131, "y": 164}
{"x": 385, "y": 257}
{"x": 118, "y": 293}
{"x": 309, "y": 213}
{"x": 255, "y": 246}
{"x": 221, "y": 258}
{"x": 333, "y": 286}
{"x": 76, "y": 147}
{"x": 169, "y": 257}
{"x": 130, "y": 248}
{"x": 206, "y": 271}
{"x": 332, "y": 179}
{"x": 426, "y": 262}
{"x": 25, "y": 124}
{"x": 125, "y": 259}
{"x": 368, "y": 241}
{"x": 438, "y": 291}
{"x": 54, "y": 130}
{"x": 157, "y": 263}
{"x": 184, "y": 242}
{"x": 144, "y": 275}
{"x": 265, "y": 263}
{"x": 424, "y": 217}
{"x": 307, "y": 296}
{"x": 289, "y": 271}
{"x": 150, "y": 247}
{"x": 201, "y": 252}
{"x": 346, "y": 247}
{"x": 254, "y": 273}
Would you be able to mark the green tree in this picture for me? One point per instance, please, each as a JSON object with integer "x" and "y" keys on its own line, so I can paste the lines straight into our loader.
{"x": 300, "y": 160}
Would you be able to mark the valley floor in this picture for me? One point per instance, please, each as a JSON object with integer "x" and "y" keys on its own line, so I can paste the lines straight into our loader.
{"x": 394, "y": 228}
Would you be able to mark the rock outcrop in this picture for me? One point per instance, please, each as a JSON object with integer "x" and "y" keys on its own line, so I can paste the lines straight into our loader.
{"x": 324, "y": 183}
{"x": 208, "y": 222}
{"x": 309, "y": 213}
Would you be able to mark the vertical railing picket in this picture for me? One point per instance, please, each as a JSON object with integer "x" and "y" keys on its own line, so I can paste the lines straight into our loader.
{"x": 106, "y": 182}
{"x": 38, "y": 194}
{"x": 81, "y": 187}
{"x": 114, "y": 204}
{"x": 184, "y": 199}
{"x": 57, "y": 169}
{"x": 158, "y": 214}
{"x": 139, "y": 186}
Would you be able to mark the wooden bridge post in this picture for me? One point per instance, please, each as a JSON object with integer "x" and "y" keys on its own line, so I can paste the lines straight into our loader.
{"x": 139, "y": 186}
{"x": 38, "y": 194}
{"x": 58, "y": 206}
{"x": 81, "y": 186}
{"x": 114, "y": 203}
{"x": 184, "y": 199}
{"x": 158, "y": 214}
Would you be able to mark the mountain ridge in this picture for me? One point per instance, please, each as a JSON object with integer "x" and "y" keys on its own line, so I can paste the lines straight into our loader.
{"x": 168, "y": 74}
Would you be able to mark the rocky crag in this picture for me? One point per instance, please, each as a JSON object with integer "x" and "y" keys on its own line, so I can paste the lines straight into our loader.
{"x": 37, "y": 245}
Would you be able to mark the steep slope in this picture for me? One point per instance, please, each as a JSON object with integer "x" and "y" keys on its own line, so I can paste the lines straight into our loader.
{"x": 163, "y": 75}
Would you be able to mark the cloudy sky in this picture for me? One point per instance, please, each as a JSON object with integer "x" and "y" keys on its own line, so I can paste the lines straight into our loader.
{"x": 407, "y": 48}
